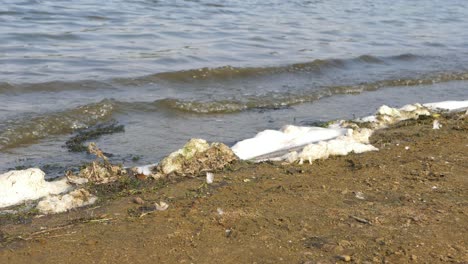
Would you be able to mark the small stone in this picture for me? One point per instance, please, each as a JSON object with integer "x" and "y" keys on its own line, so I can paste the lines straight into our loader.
{"x": 414, "y": 257}
{"x": 345, "y": 258}
{"x": 141, "y": 176}
{"x": 359, "y": 195}
{"x": 338, "y": 249}
{"x": 220, "y": 211}
{"x": 138, "y": 200}
{"x": 380, "y": 241}
{"x": 344, "y": 243}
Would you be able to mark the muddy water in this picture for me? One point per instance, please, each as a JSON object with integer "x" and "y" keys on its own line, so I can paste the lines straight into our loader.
{"x": 172, "y": 70}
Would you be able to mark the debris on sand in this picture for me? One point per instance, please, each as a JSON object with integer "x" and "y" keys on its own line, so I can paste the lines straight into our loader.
{"x": 18, "y": 186}
{"x": 386, "y": 116}
{"x": 195, "y": 157}
{"x": 162, "y": 206}
{"x": 299, "y": 144}
{"x": 99, "y": 171}
{"x": 146, "y": 210}
{"x": 209, "y": 177}
{"x": 271, "y": 141}
{"x": 62, "y": 203}
{"x": 354, "y": 141}
{"x": 142, "y": 172}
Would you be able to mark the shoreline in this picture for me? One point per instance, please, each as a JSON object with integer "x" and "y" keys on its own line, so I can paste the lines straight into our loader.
{"x": 291, "y": 144}
{"x": 376, "y": 207}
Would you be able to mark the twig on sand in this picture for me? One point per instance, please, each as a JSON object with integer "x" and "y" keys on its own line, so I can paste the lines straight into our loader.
{"x": 101, "y": 220}
{"x": 32, "y": 235}
{"x": 361, "y": 220}
{"x": 35, "y": 234}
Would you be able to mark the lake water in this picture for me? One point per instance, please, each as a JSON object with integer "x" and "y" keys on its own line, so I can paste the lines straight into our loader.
{"x": 169, "y": 71}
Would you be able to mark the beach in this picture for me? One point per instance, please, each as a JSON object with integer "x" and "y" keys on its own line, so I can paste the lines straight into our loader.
{"x": 405, "y": 203}
{"x": 141, "y": 78}
{"x": 254, "y": 131}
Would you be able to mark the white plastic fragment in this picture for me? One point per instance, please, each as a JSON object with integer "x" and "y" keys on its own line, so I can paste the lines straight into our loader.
{"x": 162, "y": 206}
{"x": 359, "y": 195}
{"x": 146, "y": 169}
{"x": 62, "y": 203}
{"x": 18, "y": 186}
{"x": 220, "y": 211}
{"x": 436, "y": 124}
{"x": 209, "y": 177}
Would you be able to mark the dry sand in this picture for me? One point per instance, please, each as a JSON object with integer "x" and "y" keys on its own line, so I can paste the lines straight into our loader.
{"x": 407, "y": 202}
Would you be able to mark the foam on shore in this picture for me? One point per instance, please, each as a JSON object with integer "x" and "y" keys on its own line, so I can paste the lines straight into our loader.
{"x": 448, "y": 105}
{"x": 18, "y": 186}
{"x": 269, "y": 141}
{"x": 340, "y": 138}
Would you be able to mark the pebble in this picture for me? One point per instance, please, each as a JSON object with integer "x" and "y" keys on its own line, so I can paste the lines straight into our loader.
{"x": 138, "y": 200}
{"x": 345, "y": 258}
{"x": 359, "y": 195}
{"x": 344, "y": 243}
{"x": 141, "y": 176}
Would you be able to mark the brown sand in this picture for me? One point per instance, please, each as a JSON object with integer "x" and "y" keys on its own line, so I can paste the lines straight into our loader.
{"x": 406, "y": 203}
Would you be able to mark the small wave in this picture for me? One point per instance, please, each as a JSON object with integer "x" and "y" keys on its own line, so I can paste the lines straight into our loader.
{"x": 405, "y": 57}
{"x": 14, "y": 133}
{"x": 272, "y": 101}
{"x": 219, "y": 74}
{"x": 283, "y": 100}
{"x": 54, "y": 86}
{"x": 26, "y": 131}
{"x": 227, "y": 73}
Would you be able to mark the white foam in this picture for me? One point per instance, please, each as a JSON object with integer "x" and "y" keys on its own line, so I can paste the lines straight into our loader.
{"x": 269, "y": 141}
{"x": 145, "y": 169}
{"x": 18, "y": 186}
{"x": 62, "y": 203}
{"x": 334, "y": 140}
{"x": 448, "y": 105}
{"x": 355, "y": 141}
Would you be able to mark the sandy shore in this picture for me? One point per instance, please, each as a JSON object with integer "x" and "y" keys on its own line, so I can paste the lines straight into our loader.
{"x": 405, "y": 203}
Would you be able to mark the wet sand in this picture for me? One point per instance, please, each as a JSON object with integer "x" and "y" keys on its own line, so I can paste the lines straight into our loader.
{"x": 407, "y": 202}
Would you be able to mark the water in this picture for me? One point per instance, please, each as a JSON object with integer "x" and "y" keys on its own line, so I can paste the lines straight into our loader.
{"x": 172, "y": 70}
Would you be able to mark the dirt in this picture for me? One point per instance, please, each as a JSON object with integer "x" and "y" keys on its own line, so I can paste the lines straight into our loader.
{"x": 407, "y": 203}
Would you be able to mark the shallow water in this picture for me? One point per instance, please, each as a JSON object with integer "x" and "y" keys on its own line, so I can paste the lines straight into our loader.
{"x": 172, "y": 70}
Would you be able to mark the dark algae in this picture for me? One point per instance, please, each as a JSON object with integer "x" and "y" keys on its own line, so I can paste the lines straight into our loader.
{"x": 76, "y": 142}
